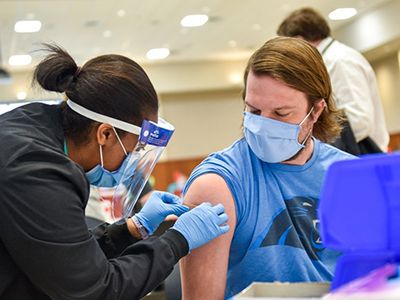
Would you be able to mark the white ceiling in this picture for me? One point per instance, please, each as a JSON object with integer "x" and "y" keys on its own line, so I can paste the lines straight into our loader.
{"x": 235, "y": 29}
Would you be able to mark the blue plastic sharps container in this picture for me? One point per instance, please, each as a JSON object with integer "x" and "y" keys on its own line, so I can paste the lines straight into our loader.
{"x": 360, "y": 214}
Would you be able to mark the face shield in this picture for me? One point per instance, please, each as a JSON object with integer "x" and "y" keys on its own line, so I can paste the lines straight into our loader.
{"x": 153, "y": 138}
{"x": 152, "y": 141}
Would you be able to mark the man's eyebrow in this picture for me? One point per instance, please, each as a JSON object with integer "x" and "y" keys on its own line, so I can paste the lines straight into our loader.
{"x": 277, "y": 108}
{"x": 248, "y": 104}
{"x": 285, "y": 107}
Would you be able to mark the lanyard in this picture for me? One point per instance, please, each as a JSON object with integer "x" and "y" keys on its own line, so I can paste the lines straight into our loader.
{"x": 327, "y": 46}
{"x": 65, "y": 147}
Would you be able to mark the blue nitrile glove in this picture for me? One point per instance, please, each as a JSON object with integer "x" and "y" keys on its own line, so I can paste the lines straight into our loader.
{"x": 202, "y": 224}
{"x": 159, "y": 205}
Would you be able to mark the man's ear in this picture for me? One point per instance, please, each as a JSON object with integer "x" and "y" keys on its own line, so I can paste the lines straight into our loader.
{"x": 318, "y": 109}
{"x": 104, "y": 134}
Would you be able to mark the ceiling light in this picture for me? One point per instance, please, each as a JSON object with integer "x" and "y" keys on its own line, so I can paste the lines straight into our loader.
{"x": 158, "y": 53}
{"x": 121, "y": 13}
{"x": 194, "y": 20}
{"x": 107, "y": 33}
{"x": 342, "y": 13}
{"x": 21, "y": 95}
{"x": 27, "y": 26}
{"x": 20, "y": 60}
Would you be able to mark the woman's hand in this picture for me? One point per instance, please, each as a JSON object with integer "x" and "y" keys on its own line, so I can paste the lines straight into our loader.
{"x": 157, "y": 208}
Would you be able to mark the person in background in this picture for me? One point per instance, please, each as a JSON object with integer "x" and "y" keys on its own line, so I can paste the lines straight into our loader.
{"x": 177, "y": 185}
{"x": 354, "y": 84}
{"x": 144, "y": 196}
{"x": 269, "y": 181}
{"x": 50, "y": 155}
{"x": 99, "y": 209}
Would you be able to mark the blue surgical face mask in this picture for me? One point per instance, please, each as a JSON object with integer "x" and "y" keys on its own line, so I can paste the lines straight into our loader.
{"x": 99, "y": 176}
{"x": 271, "y": 140}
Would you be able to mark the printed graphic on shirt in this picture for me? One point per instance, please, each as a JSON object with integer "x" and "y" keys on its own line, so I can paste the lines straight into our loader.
{"x": 296, "y": 226}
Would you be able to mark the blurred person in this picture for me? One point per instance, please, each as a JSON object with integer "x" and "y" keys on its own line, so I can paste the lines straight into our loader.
{"x": 50, "y": 155}
{"x": 99, "y": 207}
{"x": 354, "y": 84}
{"x": 177, "y": 185}
{"x": 269, "y": 181}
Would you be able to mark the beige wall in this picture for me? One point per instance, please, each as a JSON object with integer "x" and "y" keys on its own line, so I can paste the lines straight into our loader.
{"x": 373, "y": 29}
{"x": 206, "y": 107}
{"x": 21, "y": 82}
{"x": 196, "y": 76}
{"x": 188, "y": 77}
{"x": 204, "y": 121}
{"x": 388, "y": 76}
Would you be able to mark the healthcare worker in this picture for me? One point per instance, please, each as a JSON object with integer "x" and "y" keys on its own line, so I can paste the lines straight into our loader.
{"x": 49, "y": 156}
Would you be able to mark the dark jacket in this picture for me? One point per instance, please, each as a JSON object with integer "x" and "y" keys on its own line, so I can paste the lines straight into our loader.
{"x": 46, "y": 250}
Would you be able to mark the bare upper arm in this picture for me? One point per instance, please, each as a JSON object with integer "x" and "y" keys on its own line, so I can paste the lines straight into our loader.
{"x": 203, "y": 271}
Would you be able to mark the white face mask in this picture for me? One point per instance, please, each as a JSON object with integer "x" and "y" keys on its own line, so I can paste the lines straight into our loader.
{"x": 272, "y": 141}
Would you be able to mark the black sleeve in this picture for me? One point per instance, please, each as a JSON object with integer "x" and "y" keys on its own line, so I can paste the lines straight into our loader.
{"x": 146, "y": 189}
{"x": 113, "y": 238}
{"x": 42, "y": 226}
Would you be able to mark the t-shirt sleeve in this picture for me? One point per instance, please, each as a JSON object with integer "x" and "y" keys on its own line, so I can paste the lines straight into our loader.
{"x": 226, "y": 167}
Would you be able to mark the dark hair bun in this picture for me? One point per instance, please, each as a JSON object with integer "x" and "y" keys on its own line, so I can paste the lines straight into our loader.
{"x": 57, "y": 71}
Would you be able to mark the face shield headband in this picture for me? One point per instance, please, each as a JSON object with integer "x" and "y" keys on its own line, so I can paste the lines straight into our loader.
{"x": 103, "y": 119}
{"x": 152, "y": 140}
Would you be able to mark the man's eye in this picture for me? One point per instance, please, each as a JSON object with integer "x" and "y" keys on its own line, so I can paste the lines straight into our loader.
{"x": 281, "y": 114}
{"x": 256, "y": 112}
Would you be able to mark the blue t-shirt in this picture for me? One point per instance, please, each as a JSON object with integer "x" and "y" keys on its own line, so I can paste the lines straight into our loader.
{"x": 276, "y": 236}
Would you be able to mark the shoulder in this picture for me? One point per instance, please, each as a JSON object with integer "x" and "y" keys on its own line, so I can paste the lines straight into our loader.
{"x": 340, "y": 50}
{"x": 32, "y": 157}
{"x": 329, "y": 154}
{"x": 30, "y": 128}
{"x": 219, "y": 178}
{"x": 40, "y": 167}
{"x": 343, "y": 55}
{"x": 30, "y": 113}
{"x": 229, "y": 164}
{"x": 229, "y": 160}
{"x": 208, "y": 187}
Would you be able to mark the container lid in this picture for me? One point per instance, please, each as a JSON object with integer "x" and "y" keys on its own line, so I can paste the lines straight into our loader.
{"x": 360, "y": 204}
